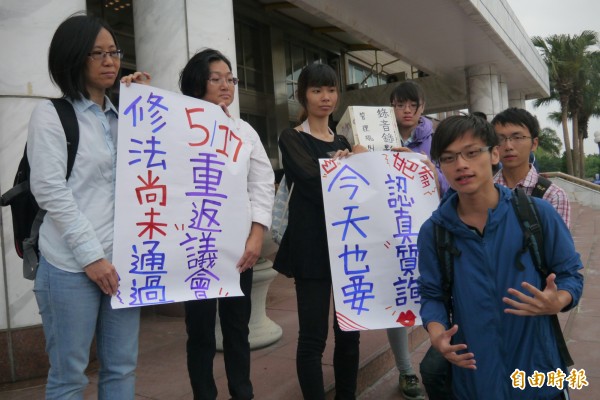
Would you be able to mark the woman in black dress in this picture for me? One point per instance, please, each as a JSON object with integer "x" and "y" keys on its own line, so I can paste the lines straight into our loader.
{"x": 303, "y": 252}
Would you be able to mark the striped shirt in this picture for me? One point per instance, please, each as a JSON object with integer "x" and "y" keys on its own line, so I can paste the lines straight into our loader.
{"x": 555, "y": 195}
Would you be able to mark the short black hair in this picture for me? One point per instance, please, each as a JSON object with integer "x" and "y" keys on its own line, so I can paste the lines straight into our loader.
{"x": 455, "y": 127}
{"x": 194, "y": 76}
{"x": 68, "y": 53}
{"x": 518, "y": 116}
{"x": 314, "y": 75}
{"x": 408, "y": 91}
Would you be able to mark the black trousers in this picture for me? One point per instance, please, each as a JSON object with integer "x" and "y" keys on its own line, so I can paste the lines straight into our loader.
{"x": 234, "y": 313}
{"x": 313, "y": 298}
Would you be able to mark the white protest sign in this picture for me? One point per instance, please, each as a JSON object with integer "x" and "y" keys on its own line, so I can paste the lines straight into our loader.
{"x": 373, "y": 127}
{"x": 181, "y": 178}
{"x": 375, "y": 204}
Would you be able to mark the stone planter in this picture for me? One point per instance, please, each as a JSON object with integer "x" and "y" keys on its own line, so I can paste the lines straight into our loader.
{"x": 263, "y": 331}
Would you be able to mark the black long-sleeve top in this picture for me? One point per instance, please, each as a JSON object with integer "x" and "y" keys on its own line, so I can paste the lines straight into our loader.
{"x": 303, "y": 251}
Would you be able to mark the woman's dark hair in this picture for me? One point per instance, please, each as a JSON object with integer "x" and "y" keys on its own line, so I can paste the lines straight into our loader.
{"x": 69, "y": 49}
{"x": 194, "y": 76}
{"x": 455, "y": 127}
{"x": 408, "y": 91}
{"x": 314, "y": 75}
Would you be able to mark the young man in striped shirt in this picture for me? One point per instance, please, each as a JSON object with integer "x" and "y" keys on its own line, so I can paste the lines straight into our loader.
{"x": 518, "y": 133}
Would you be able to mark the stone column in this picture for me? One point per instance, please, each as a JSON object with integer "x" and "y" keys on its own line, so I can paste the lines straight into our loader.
{"x": 169, "y": 33}
{"x": 26, "y": 29}
{"x": 484, "y": 90}
{"x": 516, "y": 99}
{"x": 503, "y": 86}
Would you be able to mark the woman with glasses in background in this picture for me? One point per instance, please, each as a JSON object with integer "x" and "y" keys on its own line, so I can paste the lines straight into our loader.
{"x": 416, "y": 131}
{"x": 76, "y": 279}
{"x": 208, "y": 76}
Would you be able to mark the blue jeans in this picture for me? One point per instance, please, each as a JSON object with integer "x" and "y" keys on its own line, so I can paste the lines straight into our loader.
{"x": 73, "y": 309}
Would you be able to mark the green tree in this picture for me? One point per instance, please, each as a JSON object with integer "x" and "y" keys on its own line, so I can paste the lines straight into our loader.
{"x": 590, "y": 107}
{"x": 566, "y": 58}
{"x": 592, "y": 166}
{"x": 547, "y": 154}
{"x": 555, "y": 52}
{"x": 590, "y": 103}
{"x": 549, "y": 143}
{"x": 583, "y": 62}
{"x": 556, "y": 117}
{"x": 549, "y": 163}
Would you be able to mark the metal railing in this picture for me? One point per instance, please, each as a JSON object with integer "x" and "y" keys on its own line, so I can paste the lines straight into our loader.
{"x": 572, "y": 179}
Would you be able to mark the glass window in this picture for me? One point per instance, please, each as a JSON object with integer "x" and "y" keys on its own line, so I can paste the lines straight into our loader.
{"x": 363, "y": 76}
{"x": 298, "y": 61}
{"x": 259, "y": 123}
{"x": 296, "y": 58}
{"x": 249, "y": 54}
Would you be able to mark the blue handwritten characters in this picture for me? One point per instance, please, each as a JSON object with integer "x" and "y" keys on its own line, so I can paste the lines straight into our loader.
{"x": 151, "y": 198}
{"x": 150, "y": 265}
{"x": 406, "y": 251}
{"x": 359, "y": 289}
{"x": 207, "y": 173}
{"x": 136, "y": 110}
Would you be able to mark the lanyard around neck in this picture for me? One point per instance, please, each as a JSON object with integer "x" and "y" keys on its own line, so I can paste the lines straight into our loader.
{"x": 306, "y": 128}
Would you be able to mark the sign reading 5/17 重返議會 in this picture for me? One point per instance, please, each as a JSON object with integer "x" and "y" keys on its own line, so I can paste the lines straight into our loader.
{"x": 181, "y": 177}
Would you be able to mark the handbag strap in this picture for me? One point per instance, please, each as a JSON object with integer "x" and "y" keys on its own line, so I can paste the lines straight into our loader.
{"x": 287, "y": 202}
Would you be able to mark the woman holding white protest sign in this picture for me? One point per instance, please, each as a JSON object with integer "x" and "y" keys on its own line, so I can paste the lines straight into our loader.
{"x": 76, "y": 279}
{"x": 208, "y": 76}
{"x": 303, "y": 252}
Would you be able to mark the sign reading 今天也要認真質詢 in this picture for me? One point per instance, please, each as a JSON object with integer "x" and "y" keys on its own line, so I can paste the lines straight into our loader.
{"x": 181, "y": 177}
{"x": 375, "y": 204}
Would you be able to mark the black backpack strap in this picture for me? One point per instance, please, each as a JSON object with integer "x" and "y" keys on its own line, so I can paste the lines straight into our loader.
{"x": 446, "y": 252}
{"x": 68, "y": 119}
{"x": 541, "y": 186}
{"x": 533, "y": 238}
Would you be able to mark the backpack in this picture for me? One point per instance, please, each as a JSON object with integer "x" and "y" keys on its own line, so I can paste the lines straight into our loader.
{"x": 541, "y": 187}
{"x": 435, "y": 369}
{"x": 27, "y": 216}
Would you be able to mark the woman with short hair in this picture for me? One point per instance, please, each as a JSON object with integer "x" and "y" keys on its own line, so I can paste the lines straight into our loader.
{"x": 208, "y": 76}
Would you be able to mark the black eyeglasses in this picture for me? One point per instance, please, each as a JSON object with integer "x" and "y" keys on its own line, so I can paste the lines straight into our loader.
{"x": 450, "y": 158}
{"x": 231, "y": 81}
{"x": 99, "y": 55}
{"x": 412, "y": 106}
{"x": 518, "y": 139}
